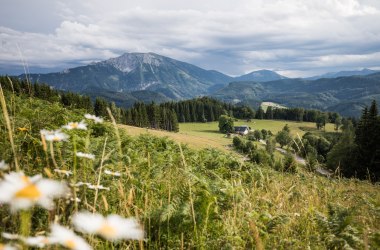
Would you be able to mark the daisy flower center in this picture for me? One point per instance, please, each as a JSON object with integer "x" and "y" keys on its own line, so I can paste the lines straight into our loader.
{"x": 107, "y": 230}
{"x": 29, "y": 192}
{"x": 74, "y": 125}
{"x": 70, "y": 244}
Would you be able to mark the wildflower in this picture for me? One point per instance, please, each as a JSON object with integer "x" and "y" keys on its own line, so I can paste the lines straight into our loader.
{"x": 7, "y": 247}
{"x": 3, "y": 165}
{"x": 67, "y": 238}
{"x": 94, "y": 118}
{"x": 37, "y": 241}
{"x": 85, "y": 155}
{"x": 75, "y": 199}
{"x": 112, "y": 227}
{"x": 76, "y": 125}
{"x": 10, "y": 236}
{"x": 22, "y": 192}
{"x": 78, "y": 184}
{"x": 55, "y": 135}
{"x": 61, "y": 171}
{"x": 90, "y": 186}
{"x": 23, "y": 129}
{"x": 112, "y": 173}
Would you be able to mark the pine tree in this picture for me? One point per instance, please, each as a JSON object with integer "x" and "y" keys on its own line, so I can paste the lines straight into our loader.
{"x": 100, "y": 107}
{"x": 260, "y": 113}
{"x": 367, "y": 140}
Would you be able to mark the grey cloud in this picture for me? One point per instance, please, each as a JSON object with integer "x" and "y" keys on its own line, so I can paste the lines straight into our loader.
{"x": 295, "y": 36}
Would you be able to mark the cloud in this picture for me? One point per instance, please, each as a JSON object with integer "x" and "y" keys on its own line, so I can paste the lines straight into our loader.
{"x": 234, "y": 37}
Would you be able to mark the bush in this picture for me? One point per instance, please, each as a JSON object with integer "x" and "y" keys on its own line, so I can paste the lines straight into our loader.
{"x": 226, "y": 124}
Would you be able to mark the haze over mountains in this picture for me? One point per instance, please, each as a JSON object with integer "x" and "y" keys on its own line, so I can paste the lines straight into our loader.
{"x": 151, "y": 77}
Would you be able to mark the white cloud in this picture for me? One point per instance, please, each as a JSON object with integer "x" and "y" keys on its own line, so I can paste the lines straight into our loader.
{"x": 231, "y": 36}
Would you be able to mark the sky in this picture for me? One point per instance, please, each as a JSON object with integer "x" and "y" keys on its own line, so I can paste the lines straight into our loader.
{"x": 296, "y": 38}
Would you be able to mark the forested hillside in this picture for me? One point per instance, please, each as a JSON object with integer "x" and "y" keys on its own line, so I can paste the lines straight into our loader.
{"x": 346, "y": 95}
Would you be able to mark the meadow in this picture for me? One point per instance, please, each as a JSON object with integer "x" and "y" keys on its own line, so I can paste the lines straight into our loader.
{"x": 182, "y": 192}
{"x": 207, "y": 135}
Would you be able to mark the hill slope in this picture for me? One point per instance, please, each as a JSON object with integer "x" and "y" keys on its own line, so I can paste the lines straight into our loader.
{"x": 260, "y": 76}
{"x": 362, "y": 72}
{"x": 346, "y": 95}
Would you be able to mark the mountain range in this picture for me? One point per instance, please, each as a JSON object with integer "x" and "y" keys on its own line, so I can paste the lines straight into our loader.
{"x": 362, "y": 72}
{"x": 151, "y": 77}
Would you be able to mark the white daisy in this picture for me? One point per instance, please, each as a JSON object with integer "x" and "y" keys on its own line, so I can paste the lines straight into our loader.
{"x": 7, "y": 247}
{"x": 94, "y": 118}
{"x": 85, "y": 155}
{"x": 67, "y": 238}
{"x": 10, "y": 236}
{"x": 55, "y": 135}
{"x": 112, "y": 227}
{"x": 22, "y": 192}
{"x": 75, "y": 199}
{"x": 61, "y": 171}
{"x": 76, "y": 125}
{"x": 90, "y": 186}
{"x": 3, "y": 165}
{"x": 78, "y": 184}
{"x": 112, "y": 173}
{"x": 37, "y": 241}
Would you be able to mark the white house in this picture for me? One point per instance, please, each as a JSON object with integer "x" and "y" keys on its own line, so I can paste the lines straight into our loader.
{"x": 242, "y": 130}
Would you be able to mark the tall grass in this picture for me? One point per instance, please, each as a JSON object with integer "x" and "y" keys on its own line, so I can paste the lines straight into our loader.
{"x": 185, "y": 198}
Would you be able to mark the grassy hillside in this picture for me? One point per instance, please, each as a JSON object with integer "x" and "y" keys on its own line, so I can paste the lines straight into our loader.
{"x": 207, "y": 135}
{"x": 183, "y": 198}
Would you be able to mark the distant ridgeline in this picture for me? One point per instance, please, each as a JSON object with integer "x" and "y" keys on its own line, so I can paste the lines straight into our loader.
{"x": 161, "y": 116}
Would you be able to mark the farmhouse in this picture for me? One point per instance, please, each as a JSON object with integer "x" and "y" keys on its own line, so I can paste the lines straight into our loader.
{"x": 242, "y": 130}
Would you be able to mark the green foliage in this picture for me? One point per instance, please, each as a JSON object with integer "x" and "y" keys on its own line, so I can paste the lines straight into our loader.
{"x": 270, "y": 145}
{"x": 226, "y": 124}
{"x": 257, "y": 135}
{"x": 260, "y": 156}
{"x": 283, "y": 138}
{"x": 337, "y": 229}
{"x": 195, "y": 199}
{"x": 321, "y": 121}
{"x": 368, "y": 147}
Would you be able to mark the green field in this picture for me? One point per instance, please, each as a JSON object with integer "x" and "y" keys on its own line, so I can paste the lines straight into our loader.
{"x": 207, "y": 135}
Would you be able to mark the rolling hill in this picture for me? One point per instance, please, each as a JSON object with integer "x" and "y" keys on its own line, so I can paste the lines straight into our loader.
{"x": 260, "y": 76}
{"x": 346, "y": 95}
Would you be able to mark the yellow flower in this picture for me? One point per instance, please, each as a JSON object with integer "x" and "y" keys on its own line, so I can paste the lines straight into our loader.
{"x": 112, "y": 227}
{"x": 22, "y": 192}
{"x": 23, "y": 129}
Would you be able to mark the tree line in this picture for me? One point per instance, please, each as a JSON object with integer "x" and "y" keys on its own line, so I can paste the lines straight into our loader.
{"x": 297, "y": 114}
{"x": 164, "y": 116}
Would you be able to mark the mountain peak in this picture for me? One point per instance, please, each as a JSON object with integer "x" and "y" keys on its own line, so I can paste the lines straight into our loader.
{"x": 263, "y": 75}
{"x": 130, "y": 61}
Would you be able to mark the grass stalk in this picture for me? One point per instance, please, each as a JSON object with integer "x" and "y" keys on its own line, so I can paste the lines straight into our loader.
{"x": 100, "y": 174}
{"x": 9, "y": 127}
